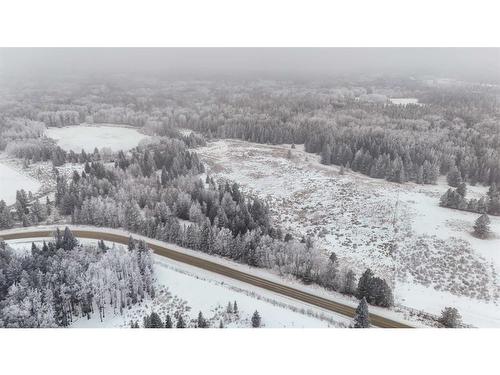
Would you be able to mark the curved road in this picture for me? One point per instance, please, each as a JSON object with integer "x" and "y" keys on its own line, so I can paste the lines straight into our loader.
{"x": 260, "y": 282}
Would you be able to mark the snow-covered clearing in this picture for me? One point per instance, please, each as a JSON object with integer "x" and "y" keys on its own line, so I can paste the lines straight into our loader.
{"x": 39, "y": 178}
{"x": 399, "y": 231}
{"x": 194, "y": 290}
{"x": 88, "y": 137}
{"x": 12, "y": 180}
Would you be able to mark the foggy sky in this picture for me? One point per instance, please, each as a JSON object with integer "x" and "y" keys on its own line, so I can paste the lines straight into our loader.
{"x": 468, "y": 63}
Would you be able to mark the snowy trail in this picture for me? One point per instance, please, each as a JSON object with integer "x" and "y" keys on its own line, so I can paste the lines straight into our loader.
{"x": 166, "y": 250}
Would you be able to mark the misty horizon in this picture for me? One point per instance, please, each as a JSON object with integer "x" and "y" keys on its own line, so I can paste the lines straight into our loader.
{"x": 476, "y": 64}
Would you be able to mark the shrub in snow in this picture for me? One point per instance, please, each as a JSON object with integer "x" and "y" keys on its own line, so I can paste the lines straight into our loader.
{"x": 482, "y": 226}
{"x": 256, "y": 320}
{"x": 450, "y": 318}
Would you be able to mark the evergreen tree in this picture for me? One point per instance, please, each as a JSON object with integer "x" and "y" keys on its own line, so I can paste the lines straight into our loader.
{"x": 350, "y": 282}
{"x": 453, "y": 177}
{"x": 164, "y": 176}
{"x": 101, "y": 245}
{"x": 450, "y": 318}
{"x": 38, "y": 211}
{"x": 6, "y": 221}
{"x": 256, "y": 320}
{"x": 168, "y": 321}
{"x": 462, "y": 189}
{"x": 69, "y": 242}
{"x": 482, "y": 226}
{"x": 326, "y": 154}
{"x": 363, "y": 290}
{"x": 362, "y": 318}
{"x": 202, "y": 323}
{"x": 155, "y": 321}
{"x": 21, "y": 205}
{"x": 374, "y": 289}
{"x": 131, "y": 243}
{"x": 235, "y": 308}
{"x": 180, "y": 322}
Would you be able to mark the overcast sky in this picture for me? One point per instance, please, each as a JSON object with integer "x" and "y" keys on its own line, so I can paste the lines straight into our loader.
{"x": 474, "y": 63}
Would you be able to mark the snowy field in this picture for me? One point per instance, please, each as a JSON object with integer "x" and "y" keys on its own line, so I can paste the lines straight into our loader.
{"x": 12, "y": 180}
{"x": 88, "y": 137}
{"x": 427, "y": 252}
{"x": 195, "y": 290}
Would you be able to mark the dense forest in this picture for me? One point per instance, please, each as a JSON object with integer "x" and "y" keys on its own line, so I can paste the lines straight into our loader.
{"x": 62, "y": 280}
{"x": 452, "y": 126}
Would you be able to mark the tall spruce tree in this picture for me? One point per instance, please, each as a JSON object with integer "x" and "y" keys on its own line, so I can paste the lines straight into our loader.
{"x": 362, "y": 318}
{"x": 201, "y": 322}
{"x": 69, "y": 242}
{"x": 168, "y": 321}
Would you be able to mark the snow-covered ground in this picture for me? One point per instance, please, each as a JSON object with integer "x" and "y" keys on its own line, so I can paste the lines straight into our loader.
{"x": 404, "y": 101}
{"x": 399, "y": 231}
{"x": 88, "y": 137}
{"x": 200, "y": 290}
{"x": 12, "y": 180}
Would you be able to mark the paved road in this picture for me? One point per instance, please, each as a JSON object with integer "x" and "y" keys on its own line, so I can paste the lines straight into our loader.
{"x": 260, "y": 282}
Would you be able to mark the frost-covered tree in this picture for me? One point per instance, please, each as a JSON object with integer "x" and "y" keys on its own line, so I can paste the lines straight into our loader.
{"x": 201, "y": 322}
{"x": 374, "y": 289}
{"x": 62, "y": 285}
{"x": 69, "y": 242}
{"x": 6, "y": 221}
{"x": 153, "y": 321}
{"x": 168, "y": 321}
{"x": 450, "y": 317}
{"x": 482, "y": 226}
{"x": 349, "y": 282}
{"x": 256, "y": 319}
{"x": 362, "y": 318}
{"x": 454, "y": 177}
{"x": 180, "y": 322}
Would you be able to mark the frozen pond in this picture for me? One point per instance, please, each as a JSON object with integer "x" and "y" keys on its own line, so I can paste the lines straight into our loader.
{"x": 12, "y": 180}
{"x": 88, "y": 137}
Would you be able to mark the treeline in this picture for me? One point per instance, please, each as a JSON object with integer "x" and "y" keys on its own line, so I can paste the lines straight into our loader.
{"x": 456, "y": 126}
{"x": 16, "y": 129}
{"x": 399, "y": 143}
{"x": 59, "y": 118}
{"x": 63, "y": 280}
{"x": 395, "y": 149}
{"x": 46, "y": 149}
{"x": 455, "y": 198}
{"x": 154, "y": 320}
{"x": 28, "y": 211}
